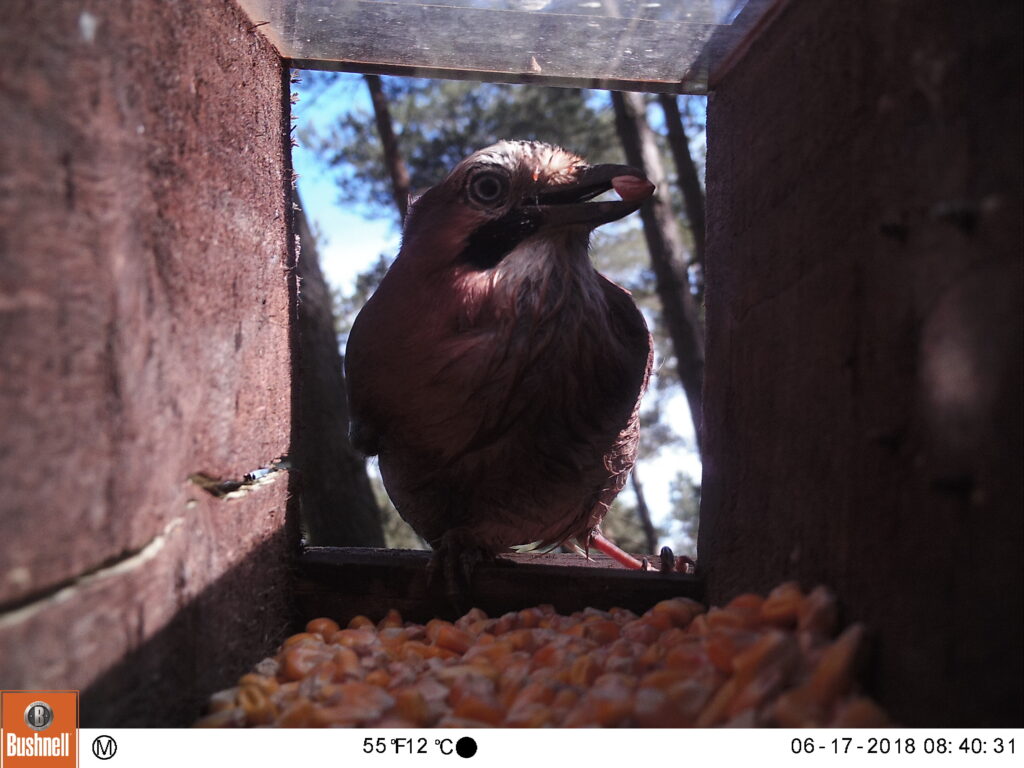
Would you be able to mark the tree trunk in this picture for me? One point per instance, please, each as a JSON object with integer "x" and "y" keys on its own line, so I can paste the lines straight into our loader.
{"x": 392, "y": 154}
{"x": 679, "y": 309}
{"x": 336, "y": 500}
{"x": 689, "y": 181}
{"x": 643, "y": 512}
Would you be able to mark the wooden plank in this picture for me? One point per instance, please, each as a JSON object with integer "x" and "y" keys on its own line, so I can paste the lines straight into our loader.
{"x": 144, "y": 297}
{"x": 342, "y": 582}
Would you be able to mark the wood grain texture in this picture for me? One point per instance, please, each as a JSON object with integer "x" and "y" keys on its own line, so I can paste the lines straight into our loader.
{"x": 863, "y": 391}
{"x": 145, "y": 304}
{"x": 344, "y": 582}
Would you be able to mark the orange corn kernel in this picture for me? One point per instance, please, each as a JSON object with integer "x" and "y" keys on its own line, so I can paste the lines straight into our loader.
{"x": 323, "y": 627}
{"x": 660, "y": 621}
{"x": 679, "y": 610}
{"x": 378, "y": 677}
{"x": 640, "y": 631}
{"x": 699, "y": 625}
{"x": 603, "y": 711}
{"x": 663, "y": 678}
{"x": 414, "y": 649}
{"x": 548, "y": 656}
{"x": 782, "y": 606}
{"x": 565, "y": 699}
{"x": 475, "y": 707}
{"x": 747, "y": 602}
{"x": 359, "y": 640}
{"x": 299, "y": 660}
{"x": 360, "y": 622}
{"x": 410, "y": 705}
{"x": 535, "y": 692}
{"x": 461, "y": 672}
{"x": 287, "y": 692}
{"x": 796, "y": 709}
{"x": 266, "y": 684}
{"x": 774, "y": 649}
{"x": 672, "y": 637}
{"x": 584, "y": 671}
{"x": 451, "y": 721}
{"x": 833, "y": 675}
{"x": 530, "y": 715}
{"x": 453, "y": 639}
{"x": 530, "y": 617}
{"x": 393, "y": 721}
{"x": 602, "y": 631}
{"x": 715, "y": 711}
{"x": 723, "y": 645}
{"x": 818, "y": 613}
{"x": 347, "y": 662}
{"x": 478, "y": 627}
{"x": 258, "y": 708}
{"x": 223, "y": 700}
{"x": 224, "y": 718}
{"x": 302, "y": 638}
{"x": 652, "y": 708}
{"x": 298, "y": 714}
{"x": 472, "y": 616}
{"x": 520, "y": 640}
{"x": 742, "y": 612}
{"x": 505, "y": 623}
{"x": 860, "y": 712}
{"x": 392, "y": 620}
{"x": 338, "y": 716}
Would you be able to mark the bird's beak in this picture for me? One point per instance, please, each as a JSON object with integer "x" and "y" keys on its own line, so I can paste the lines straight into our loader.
{"x": 566, "y": 204}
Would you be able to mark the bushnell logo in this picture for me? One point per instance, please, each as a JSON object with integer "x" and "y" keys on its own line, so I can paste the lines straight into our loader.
{"x": 40, "y": 729}
{"x": 38, "y": 715}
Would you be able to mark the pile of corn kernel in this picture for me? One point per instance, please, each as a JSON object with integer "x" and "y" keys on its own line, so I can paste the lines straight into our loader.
{"x": 758, "y": 661}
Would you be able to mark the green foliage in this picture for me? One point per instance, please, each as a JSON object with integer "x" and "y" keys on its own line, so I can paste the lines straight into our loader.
{"x": 684, "y": 494}
{"x": 622, "y": 525}
{"x": 439, "y": 122}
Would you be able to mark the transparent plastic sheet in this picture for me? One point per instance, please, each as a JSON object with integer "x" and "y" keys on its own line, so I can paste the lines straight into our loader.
{"x": 667, "y": 45}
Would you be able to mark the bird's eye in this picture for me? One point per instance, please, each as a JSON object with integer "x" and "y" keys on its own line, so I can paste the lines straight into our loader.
{"x": 488, "y": 188}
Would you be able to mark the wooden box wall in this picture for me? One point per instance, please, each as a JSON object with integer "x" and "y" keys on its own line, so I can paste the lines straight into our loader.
{"x": 863, "y": 391}
{"x": 145, "y": 305}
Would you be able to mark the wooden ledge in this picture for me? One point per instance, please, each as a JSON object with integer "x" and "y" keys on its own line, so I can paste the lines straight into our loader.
{"x": 342, "y": 582}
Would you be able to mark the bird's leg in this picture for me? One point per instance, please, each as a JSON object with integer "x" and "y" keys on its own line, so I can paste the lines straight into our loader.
{"x": 455, "y": 559}
{"x": 599, "y": 541}
{"x": 667, "y": 562}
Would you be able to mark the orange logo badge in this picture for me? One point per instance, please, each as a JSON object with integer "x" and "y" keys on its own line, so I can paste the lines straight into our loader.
{"x": 39, "y": 729}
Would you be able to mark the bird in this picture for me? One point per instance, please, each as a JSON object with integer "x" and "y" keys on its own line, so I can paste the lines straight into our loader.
{"x": 494, "y": 372}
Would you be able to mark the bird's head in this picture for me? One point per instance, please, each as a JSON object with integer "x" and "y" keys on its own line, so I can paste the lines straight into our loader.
{"x": 500, "y": 197}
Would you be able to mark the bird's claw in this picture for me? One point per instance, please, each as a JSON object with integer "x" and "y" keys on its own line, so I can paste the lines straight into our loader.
{"x": 670, "y": 563}
{"x": 455, "y": 558}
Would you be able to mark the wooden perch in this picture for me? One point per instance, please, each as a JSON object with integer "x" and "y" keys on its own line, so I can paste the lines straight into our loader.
{"x": 342, "y": 582}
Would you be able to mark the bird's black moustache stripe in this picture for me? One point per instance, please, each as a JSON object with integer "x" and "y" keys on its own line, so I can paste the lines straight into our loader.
{"x": 493, "y": 241}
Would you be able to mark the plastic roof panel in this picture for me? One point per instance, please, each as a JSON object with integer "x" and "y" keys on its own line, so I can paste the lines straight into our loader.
{"x": 668, "y": 45}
